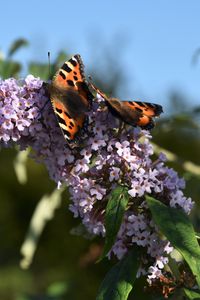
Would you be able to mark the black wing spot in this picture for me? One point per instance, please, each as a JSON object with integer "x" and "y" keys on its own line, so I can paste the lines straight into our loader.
{"x": 73, "y": 62}
{"x": 140, "y": 103}
{"x": 138, "y": 109}
{"x": 60, "y": 120}
{"x": 70, "y": 82}
{"x": 58, "y": 110}
{"x": 75, "y": 73}
{"x": 62, "y": 75}
{"x": 71, "y": 124}
{"x": 66, "y": 68}
{"x": 75, "y": 78}
{"x": 67, "y": 115}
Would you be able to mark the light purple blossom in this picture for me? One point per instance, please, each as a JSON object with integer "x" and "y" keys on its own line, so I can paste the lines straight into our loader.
{"x": 106, "y": 159}
{"x": 114, "y": 174}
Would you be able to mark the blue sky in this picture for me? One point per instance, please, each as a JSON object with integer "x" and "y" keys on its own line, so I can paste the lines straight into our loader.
{"x": 154, "y": 39}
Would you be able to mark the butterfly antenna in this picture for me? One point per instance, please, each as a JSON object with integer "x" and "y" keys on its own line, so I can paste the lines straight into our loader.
{"x": 49, "y": 63}
{"x": 94, "y": 87}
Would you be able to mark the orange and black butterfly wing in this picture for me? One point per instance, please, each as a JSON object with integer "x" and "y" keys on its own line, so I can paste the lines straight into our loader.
{"x": 135, "y": 113}
{"x": 70, "y": 126}
{"x": 71, "y": 98}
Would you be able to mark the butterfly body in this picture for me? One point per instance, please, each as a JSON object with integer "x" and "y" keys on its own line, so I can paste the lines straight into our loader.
{"x": 70, "y": 98}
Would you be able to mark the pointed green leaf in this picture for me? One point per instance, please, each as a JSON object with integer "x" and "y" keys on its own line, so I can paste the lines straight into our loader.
{"x": 17, "y": 45}
{"x": 120, "y": 279}
{"x": 192, "y": 295}
{"x": 115, "y": 209}
{"x": 176, "y": 226}
{"x": 43, "y": 213}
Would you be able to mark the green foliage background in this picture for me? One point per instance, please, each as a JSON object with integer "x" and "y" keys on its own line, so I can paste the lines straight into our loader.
{"x": 64, "y": 264}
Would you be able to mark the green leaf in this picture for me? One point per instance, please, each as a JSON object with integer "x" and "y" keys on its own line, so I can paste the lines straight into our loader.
{"x": 192, "y": 295}
{"x": 9, "y": 68}
{"x": 114, "y": 215}
{"x": 43, "y": 213}
{"x": 39, "y": 70}
{"x": 120, "y": 279}
{"x": 48, "y": 70}
{"x": 176, "y": 226}
{"x": 19, "y": 165}
{"x": 16, "y": 46}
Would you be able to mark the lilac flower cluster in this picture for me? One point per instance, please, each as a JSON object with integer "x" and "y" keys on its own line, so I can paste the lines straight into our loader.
{"x": 107, "y": 159}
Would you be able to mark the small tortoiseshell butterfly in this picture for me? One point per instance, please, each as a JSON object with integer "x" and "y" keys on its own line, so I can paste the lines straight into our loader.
{"x": 134, "y": 113}
{"x": 70, "y": 98}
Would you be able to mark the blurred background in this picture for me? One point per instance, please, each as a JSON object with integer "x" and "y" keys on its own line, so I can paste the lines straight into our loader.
{"x": 137, "y": 50}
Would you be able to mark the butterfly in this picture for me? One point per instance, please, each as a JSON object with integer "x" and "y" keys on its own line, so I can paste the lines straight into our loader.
{"x": 71, "y": 99}
{"x": 134, "y": 113}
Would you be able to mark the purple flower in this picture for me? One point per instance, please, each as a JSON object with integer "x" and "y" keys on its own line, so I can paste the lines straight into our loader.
{"x": 98, "y": 192}
{"x": 114, "y": 174}
{"x": 15, "y": 118}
